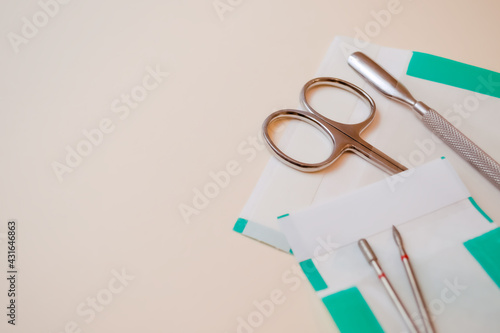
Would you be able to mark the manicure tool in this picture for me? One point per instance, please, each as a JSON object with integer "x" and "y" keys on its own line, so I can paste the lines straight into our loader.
{"x": 393, "y": 89}
{"x": 373, "y": 261}
{"x": 417, "y": 294}
{"x": 344, "y": 137}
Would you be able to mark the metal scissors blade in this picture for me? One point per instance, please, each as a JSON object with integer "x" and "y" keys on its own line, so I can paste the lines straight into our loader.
{"x": 344, "y": 137}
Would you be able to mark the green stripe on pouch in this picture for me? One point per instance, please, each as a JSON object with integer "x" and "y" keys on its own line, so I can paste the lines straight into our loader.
{"x": 313, "y": 275}
{"x": 486, "y": 250}
{"x": 282, "y": 216}
{"x": 453, "y": 73}
{"x": 473, "y": 202}
{"x": 351, "y": 313}
{"x": 240, "y": 225}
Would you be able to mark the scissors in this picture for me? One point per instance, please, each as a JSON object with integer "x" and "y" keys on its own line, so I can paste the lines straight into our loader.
{"x": 344, "y": 137}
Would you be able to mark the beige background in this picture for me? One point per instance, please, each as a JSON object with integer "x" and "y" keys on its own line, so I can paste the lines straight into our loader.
{"x": 119, "y": 209}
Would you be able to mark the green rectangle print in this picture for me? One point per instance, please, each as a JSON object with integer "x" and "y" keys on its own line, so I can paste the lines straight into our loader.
{"x": 313, "y": 275}
{"x": 453, "y": 73}
{"x": 351, "y": 313}
{"x": 240, "y": 225}
{"x": 486, "y": 250}
{"x": 473, "y": 202}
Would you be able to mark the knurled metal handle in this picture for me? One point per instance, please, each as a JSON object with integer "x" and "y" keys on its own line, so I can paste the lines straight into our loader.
{"x": 484, "y": 163}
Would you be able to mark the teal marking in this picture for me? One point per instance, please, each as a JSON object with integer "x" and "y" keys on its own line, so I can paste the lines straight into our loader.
{"x": 240, "y": 225}
{"x": 291, "y": 251}
{"x": 486, "y": 250}
{"x": 351, "y": 313}
{"x": 442, "y": 157}
{"x": 313, "y": 275}
{"x": 480, "y": 210}
{"x": 284, "y": 215}
{"x": 453, "y": 73}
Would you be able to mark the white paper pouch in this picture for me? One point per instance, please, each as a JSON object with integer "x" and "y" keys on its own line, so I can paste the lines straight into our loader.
{"x": 453, "y": 246}
{"x": 467, "y": 96}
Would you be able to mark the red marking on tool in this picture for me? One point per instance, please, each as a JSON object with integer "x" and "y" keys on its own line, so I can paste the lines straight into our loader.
{"x": 403, "y": 257}
{"x": 381, "y": 275}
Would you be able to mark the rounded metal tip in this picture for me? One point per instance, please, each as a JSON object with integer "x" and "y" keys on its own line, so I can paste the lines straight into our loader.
{"x": 367, "y": 250}
{"x": 380, "y": 78}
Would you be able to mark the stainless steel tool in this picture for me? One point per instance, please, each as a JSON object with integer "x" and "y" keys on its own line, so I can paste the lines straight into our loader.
{"x": 373, "y": 261}
{"x": 344, "y": 137}
{"x": 393, "y": 89}
{"x": 417, "y": 294}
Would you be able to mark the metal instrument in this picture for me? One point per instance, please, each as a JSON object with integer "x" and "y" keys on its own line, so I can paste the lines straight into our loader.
{"x": 455, "y": 139}
{"x": 417, "y": 294}
{"x": 344, "y": 137}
